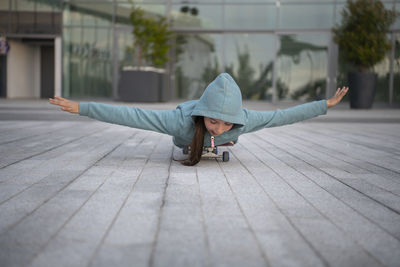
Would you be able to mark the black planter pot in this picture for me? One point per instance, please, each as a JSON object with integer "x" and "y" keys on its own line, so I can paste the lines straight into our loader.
{"x": 142, "y": 86}
{"x": 362, "y": 89}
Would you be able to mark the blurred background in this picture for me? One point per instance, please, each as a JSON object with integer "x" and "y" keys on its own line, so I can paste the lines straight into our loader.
{"x": 275, "y": 50}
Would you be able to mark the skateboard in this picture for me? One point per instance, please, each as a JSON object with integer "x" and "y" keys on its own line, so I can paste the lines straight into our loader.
{"x": 211, "y": 152}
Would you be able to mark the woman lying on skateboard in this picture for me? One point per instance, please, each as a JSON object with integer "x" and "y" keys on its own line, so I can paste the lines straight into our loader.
{"x": 217, "y": 113}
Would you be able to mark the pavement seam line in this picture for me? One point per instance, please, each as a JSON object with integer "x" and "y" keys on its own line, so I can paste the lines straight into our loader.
{"x": 338, "y": 179}
{"x": 203, "y": 221}
{"x": 37, "y": 182}
{"x": 47, "y": 150}
{"x": 253, "y": 233}
{"x": 76, "y": 211}
{"x": 288, "y": 219}
{"x": 350, "y": 163}
{"x": 338, "y": 151}
{"x": 154, "y": 244}
{"x": 101, "y": 243}
{"x": 27, "y": 137}
{"x": 58, "y": 191}
{"x": 320, "y": 212}
{"x": 361, "y": 193}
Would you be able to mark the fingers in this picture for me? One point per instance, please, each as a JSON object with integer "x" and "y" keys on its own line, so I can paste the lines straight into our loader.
{"x": 60, "y": 98}
{"x": 343, "y": 91}
{"x": 340, "y": 92}
{"x": 65, "y": 104}
{"x": 59, "y": 101}
{"x": 56, "y": 102}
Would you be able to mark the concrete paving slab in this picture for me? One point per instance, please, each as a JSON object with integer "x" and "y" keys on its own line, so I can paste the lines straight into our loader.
{"x": 76, "y": 192}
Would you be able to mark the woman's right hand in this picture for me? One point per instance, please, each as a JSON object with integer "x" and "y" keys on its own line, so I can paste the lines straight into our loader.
{"x": 65, "y": 104}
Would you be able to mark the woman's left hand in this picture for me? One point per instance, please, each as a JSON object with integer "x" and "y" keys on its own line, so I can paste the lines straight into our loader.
{"x": 340, "y": 93}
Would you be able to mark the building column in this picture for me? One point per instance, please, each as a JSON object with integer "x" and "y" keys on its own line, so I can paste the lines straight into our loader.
{"x": 57, "y": 66}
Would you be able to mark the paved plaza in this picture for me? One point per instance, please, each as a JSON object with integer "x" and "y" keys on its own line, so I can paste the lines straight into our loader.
{"x": 78, "y": 192}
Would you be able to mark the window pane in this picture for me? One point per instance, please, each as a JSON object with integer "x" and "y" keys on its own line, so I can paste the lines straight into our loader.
{"x": 124, "y": 11}
{"x": 306, "y": 1}
{"x": 87, "y": 62}
{"x": 262, "y": 17}
{"x": 306, "y": 16}
{"x": 198, "y": 63}
{"x": 249, "y": 59}
{"x": 195, "y": 2}
{"x": 382, "y": 70}
{"x": 252, "y": 1}
{"x": 199, "y": 16}
{"x": 3, "y": 16}
{"x": 340, "y": 7}
{"x": 22, "y": 5}
{"x": 138, "y": 2}
{"x": 339, "y": 10}
{"x": 4, "y": 5}
{"x": 88, "y": 14}
{"x": 396, "y": 25}
{"x": 44, "y": 7}
{"x": 302, "y": 66}
{"x": 126, "y": 56}
{"x": 396, "y": 70}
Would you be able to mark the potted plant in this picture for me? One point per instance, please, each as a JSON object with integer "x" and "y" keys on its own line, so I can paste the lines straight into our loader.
{"x": 145, "y": 82}
{"x": 363, "y": 42}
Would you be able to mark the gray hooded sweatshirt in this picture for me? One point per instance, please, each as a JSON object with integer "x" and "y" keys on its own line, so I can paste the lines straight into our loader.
{"x": 221, "y": 100}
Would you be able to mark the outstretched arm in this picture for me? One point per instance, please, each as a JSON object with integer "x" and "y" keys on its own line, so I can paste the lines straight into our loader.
{"x": 257, "y": 120}
{"x": 65, "y": 104}
{"x": 162, "y": 121}
{"x": 340, "y": 93}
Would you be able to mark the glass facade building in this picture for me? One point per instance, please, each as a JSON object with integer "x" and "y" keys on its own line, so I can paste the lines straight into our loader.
{"x": 275, "y": 50}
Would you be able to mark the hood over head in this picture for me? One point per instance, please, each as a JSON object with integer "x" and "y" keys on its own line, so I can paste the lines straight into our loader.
{"x": 222, "y": 100}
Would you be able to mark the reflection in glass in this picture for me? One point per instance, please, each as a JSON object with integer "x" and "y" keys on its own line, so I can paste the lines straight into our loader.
{"x": 124, "y": 10}
{"x": 253, "y": 1}
{"x": 44, "y": 7}
{"x": 382, "y": 70}
{"x": 71, "y": 17}
{"x": 198, "y": 61}
{"x": 338, "y": 14}
{"x": 249, "y": 59}
{"x": 302, "y": 66}
{"x": 396, "y": 24}
{"x": 126, "y": 56}
{"x": 306, "y": 16}
{"x": 92, "y": 14}
{"x": 396, "y": 70}
{"x": 87, "y": 62}
{"x": 206, "y": 16}
{"x": 262, "y": 17}
{"x": 22, "y": 5}
{"x": 4, "y": 5}
{"x": 142, "y": 1}
{"x": 193, "y": 2}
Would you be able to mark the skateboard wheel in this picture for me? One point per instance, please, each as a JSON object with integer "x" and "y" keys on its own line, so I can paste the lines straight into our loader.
{"x": 225, "y": 156}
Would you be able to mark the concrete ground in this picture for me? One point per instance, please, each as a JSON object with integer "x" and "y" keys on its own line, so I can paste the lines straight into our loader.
{"x": 77, "y": 192}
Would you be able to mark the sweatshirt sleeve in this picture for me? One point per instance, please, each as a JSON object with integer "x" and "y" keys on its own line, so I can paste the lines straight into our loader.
{"x": 257, "y": 120}
{"x": 162, "y": 121}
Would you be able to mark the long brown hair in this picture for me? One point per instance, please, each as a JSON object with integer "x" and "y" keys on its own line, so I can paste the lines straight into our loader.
{"x": 196, "y": 146}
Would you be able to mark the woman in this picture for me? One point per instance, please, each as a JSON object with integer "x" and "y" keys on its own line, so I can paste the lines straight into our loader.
{"x": 217, "y": 113}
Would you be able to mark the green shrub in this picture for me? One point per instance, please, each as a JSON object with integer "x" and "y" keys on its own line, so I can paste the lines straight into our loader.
{"x": 151, "y": 38}
{"x": 362, "y": 35}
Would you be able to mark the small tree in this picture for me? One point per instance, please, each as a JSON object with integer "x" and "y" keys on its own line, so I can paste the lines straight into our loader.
{"x": 152, "y": 36}
{"x": 362, "y": 34}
